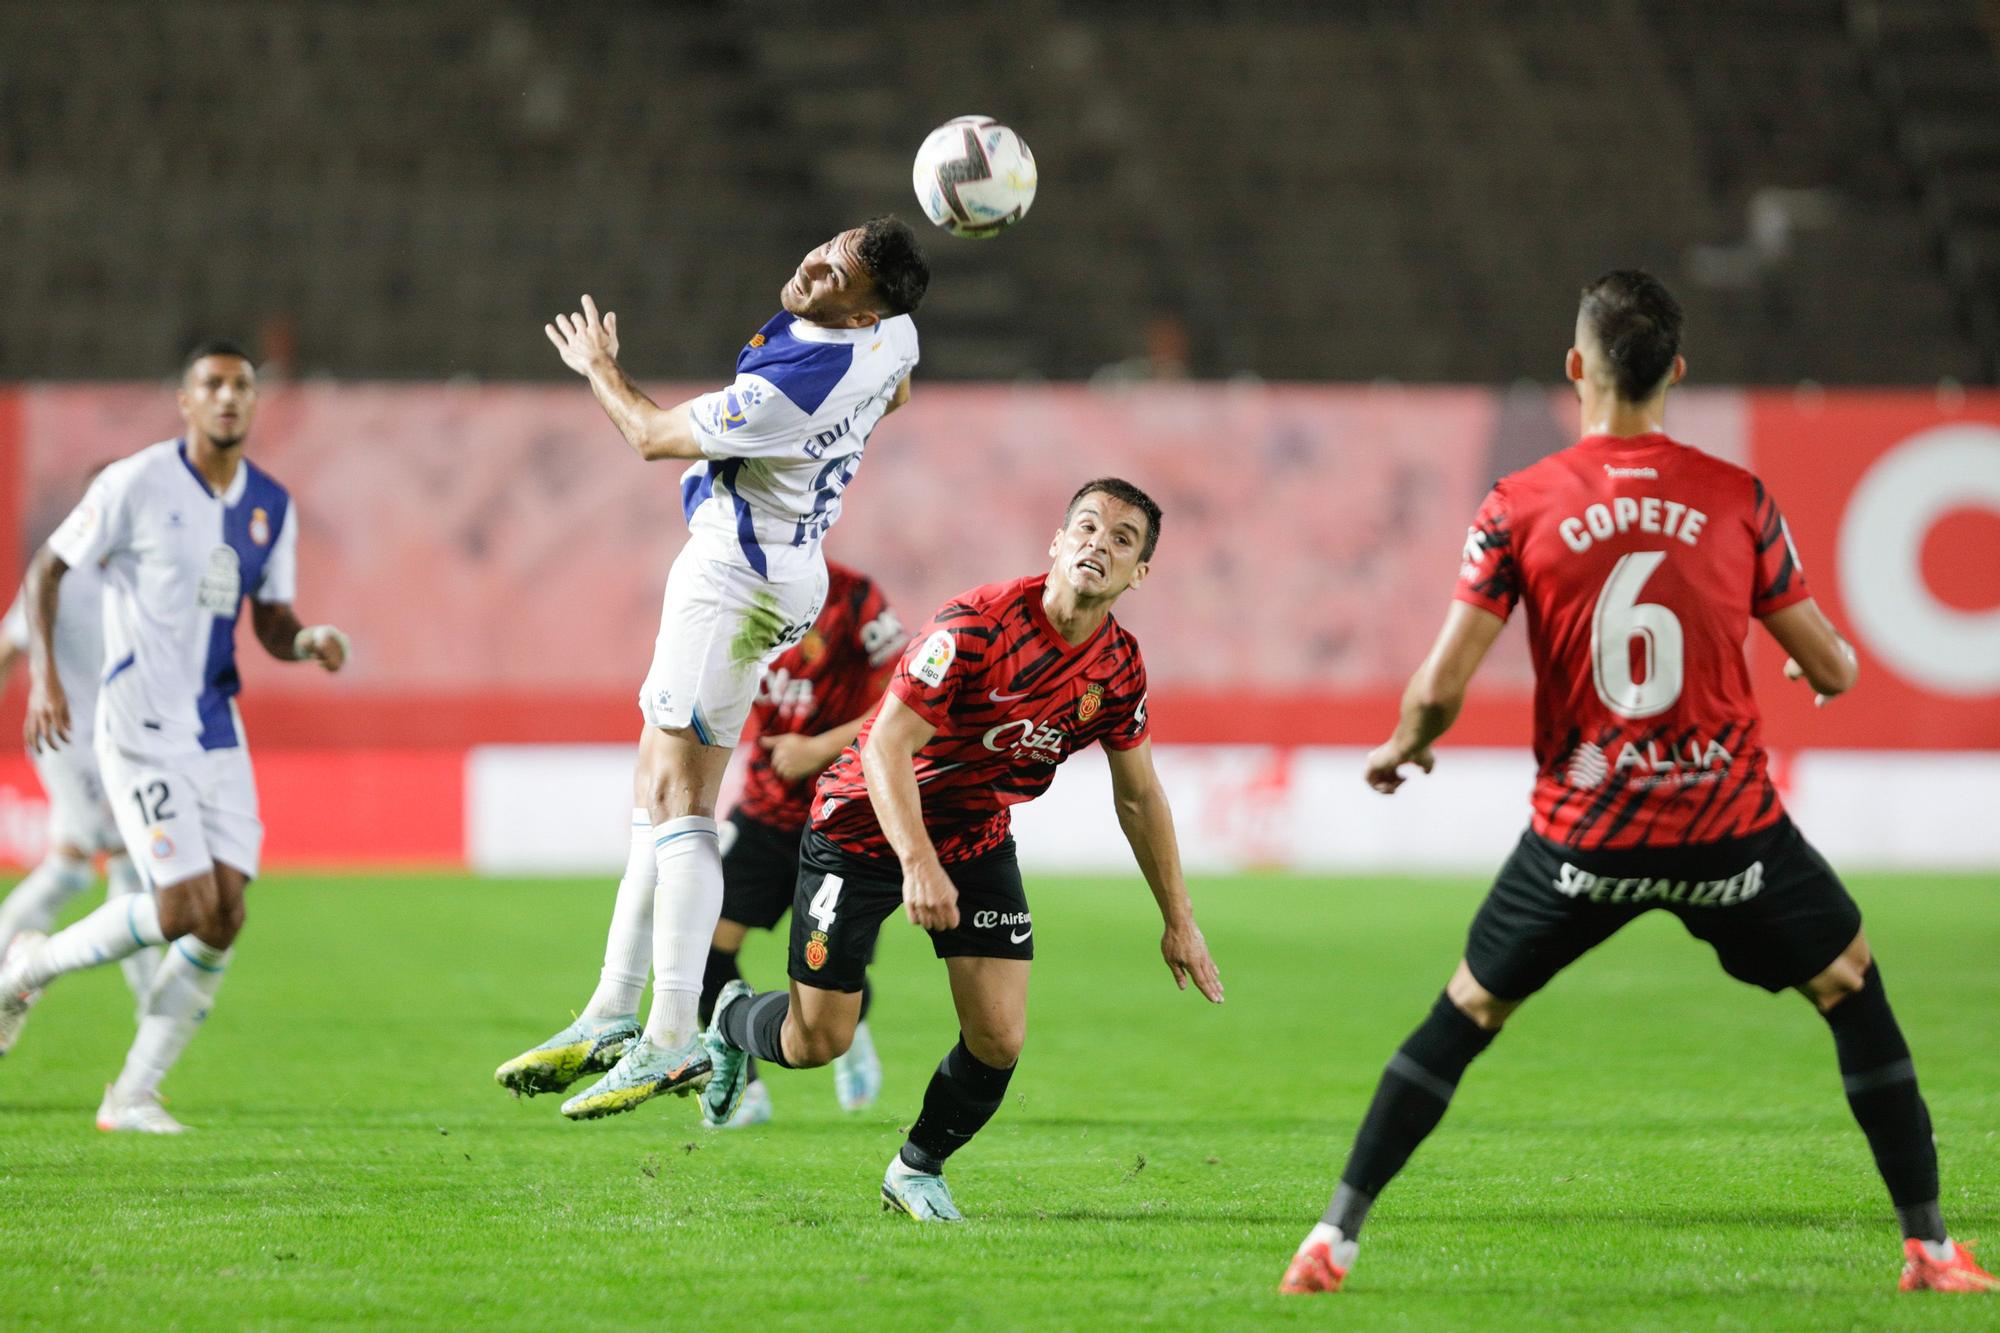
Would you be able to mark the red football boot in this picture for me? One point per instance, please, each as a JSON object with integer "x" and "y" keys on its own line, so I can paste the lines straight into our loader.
{"x": 1314, "y": 1268}
{"x": 1923, "y": 1273}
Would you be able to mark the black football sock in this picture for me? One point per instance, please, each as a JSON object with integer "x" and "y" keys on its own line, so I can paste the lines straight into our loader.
{"x": 962, "y": 1097}
{"x": 721, "y": 970}
{"x": 1881, "y": 1084}
{"x": 757, "y": 1025}
{"x": 867, "y": 997}
{"x": 1411, "y": 1099}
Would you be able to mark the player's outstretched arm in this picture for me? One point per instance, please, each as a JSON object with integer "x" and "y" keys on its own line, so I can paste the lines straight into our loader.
{"x": 888, "y": 765}
{"x": 285, "y": 638}
{"x": 588, "y": 345}
{"x": 47, "y": 723}
{"x": 1148, "y": 822}
{"x": 1815, "y": 652}
{"x": 1435, "y": 694}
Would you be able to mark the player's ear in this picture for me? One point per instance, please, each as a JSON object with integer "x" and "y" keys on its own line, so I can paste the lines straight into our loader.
{"x": 1055, "y": 544}
{"x": 1679, "y": 372}
{"x": 1138, "y": 575}
{"x": 1573, "y": 365}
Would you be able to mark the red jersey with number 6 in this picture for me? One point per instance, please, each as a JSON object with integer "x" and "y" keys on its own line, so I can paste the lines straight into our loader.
{"x": 833, "y": 675}
{"x": 1011, "y": 699}
{"x": 1641, "y": 562}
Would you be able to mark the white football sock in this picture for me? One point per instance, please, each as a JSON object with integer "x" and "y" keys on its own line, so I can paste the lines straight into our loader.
{"x": 628, "y": 948}
{"x": 116, "y": 930}
{"x": 122, "y": 878}
{"x": 38, "y": 899}
{"x": 183, "y": 991}
{"x": 686, "y": 906}
{"x": 1343, "y": 1249}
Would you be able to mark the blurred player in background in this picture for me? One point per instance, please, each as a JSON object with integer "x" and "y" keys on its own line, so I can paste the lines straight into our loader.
{"x": 837, "y": 671}
{"x": 184, "y": 531}
{"x": 774, "y": 451}
{"x": 1006, "y": 683}
{"x": 80, "y": 820}
{"x": 1641, "y": 563}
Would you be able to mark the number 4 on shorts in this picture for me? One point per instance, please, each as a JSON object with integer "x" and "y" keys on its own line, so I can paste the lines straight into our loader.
{"x": 822, "y": 905}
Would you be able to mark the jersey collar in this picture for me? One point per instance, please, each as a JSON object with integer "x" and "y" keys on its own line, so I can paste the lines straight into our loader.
{"x": 808, "y": 332}
{"x": 1646, "y": 441}
{"x": 236, "y": 483}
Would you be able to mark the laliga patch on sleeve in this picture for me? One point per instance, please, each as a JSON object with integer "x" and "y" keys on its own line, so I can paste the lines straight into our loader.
{"x": 935, "y": 658}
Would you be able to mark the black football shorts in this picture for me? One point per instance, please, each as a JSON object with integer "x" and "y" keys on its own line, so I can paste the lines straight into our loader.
{"x": 843, "y": 899}
{"x": 1770, "y": 906}
{"x": 760, "y": 869}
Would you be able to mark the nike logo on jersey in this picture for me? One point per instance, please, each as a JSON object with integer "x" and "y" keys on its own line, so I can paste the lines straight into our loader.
{"x": 1016, "y": 939}
{"x": 1000, "y": 698}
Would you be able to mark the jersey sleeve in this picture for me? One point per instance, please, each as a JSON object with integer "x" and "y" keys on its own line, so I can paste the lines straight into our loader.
{"x": 1780, "y": 580}
{"x": 941, "y": 660}
{"x": 101, "y": 522}
{"x": 1489, "y": 576}
{"x": 281, "y": 571}
{"x": 1131, "y": 725}
{"x": 747, "y": 419}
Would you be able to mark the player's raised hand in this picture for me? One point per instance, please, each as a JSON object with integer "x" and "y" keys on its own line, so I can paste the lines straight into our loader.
{"x": 1187, "y": 958}
{"x": 47, "y": 724}
{"x": 1385, "y": 766}
{"x": 930, "y": 899}
{"x": 585, "y": 340}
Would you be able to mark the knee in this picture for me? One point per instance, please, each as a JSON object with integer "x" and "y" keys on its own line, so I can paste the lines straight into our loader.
{"x": 1477, "y": 1003}
{"x": 670, "y": 795}
{"x": 808, "y": 1046}
{"x": 1845, "y": 976}
{"x": 998, "y": 1048}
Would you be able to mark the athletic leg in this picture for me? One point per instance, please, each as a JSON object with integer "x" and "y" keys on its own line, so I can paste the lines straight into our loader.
{"x": 35, "y": 902}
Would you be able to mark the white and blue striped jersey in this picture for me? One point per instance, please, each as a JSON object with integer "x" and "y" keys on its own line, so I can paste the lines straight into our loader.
{"x": 78, "y": 646}
{"x": 784, "y": 439}
{"x": 178, "y": 560}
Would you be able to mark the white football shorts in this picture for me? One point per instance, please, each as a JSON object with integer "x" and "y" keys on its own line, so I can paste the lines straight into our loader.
{"x": 719, "y": 624}
{"x": 181, "y": 816}
{"x": 79, "y": 817}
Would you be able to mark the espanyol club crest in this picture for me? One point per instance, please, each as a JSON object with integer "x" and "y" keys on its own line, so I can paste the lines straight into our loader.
{"x": 162, "y": 847}
{"x": 260, "y": 527}
{"x": 816, "y": 950}
{"x": 1093, "y": 699}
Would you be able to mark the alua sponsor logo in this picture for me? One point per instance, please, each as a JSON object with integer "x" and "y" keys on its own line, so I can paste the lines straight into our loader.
{"x": 1574, "y": 882}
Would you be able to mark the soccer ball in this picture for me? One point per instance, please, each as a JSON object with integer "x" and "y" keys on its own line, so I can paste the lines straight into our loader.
{"x": 974, "y": 177}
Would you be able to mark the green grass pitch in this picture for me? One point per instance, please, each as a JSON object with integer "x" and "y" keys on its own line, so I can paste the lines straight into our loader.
{"x": 1650, "y": 1145}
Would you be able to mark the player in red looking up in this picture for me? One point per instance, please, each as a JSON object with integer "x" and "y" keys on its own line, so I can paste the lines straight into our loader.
{"x": 1005, "y": 683}
{"x": 1640, "y": 562}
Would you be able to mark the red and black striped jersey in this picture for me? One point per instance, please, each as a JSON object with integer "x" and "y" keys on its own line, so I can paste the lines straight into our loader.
{"x": 1640, "y": 562}
{"x": 1010, "y": 699}
{"x": 833, "y": 675}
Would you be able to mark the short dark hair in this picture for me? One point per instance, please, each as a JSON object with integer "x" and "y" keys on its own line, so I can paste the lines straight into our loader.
{"x": 889, "y": 251}
{"x": 1638, "y": 324}
{"x": 1119, "y": 489}
{"x": 214, "y": 347}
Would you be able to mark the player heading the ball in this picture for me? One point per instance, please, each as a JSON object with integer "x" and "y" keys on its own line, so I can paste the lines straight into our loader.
{"x": 773, "y": 451}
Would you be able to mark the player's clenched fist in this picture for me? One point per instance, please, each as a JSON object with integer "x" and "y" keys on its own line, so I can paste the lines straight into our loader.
{"x": 930, "y": 899}
{"x": 586, "y": 341}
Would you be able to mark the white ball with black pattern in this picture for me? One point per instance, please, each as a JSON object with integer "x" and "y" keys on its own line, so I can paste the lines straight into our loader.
{"x": 974, "y": 177}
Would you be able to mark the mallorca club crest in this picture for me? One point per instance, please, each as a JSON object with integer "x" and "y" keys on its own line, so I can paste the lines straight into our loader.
{"x": 1093, "y": 699}
{"x": 816, "y": 950}
{"x": 260, "y": 527}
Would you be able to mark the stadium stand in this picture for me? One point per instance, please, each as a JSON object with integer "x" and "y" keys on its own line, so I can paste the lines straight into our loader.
{"x": 1322, "y": 191}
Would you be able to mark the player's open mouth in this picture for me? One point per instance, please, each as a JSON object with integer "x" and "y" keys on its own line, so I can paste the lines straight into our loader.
{"x": 1090, "y": 565}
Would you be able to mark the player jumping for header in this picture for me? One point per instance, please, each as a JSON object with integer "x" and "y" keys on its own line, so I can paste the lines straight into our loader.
{"x": 1641, "y": 562}
{"x": 1006, "y": 682}
{"x": 775, "y": 449}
